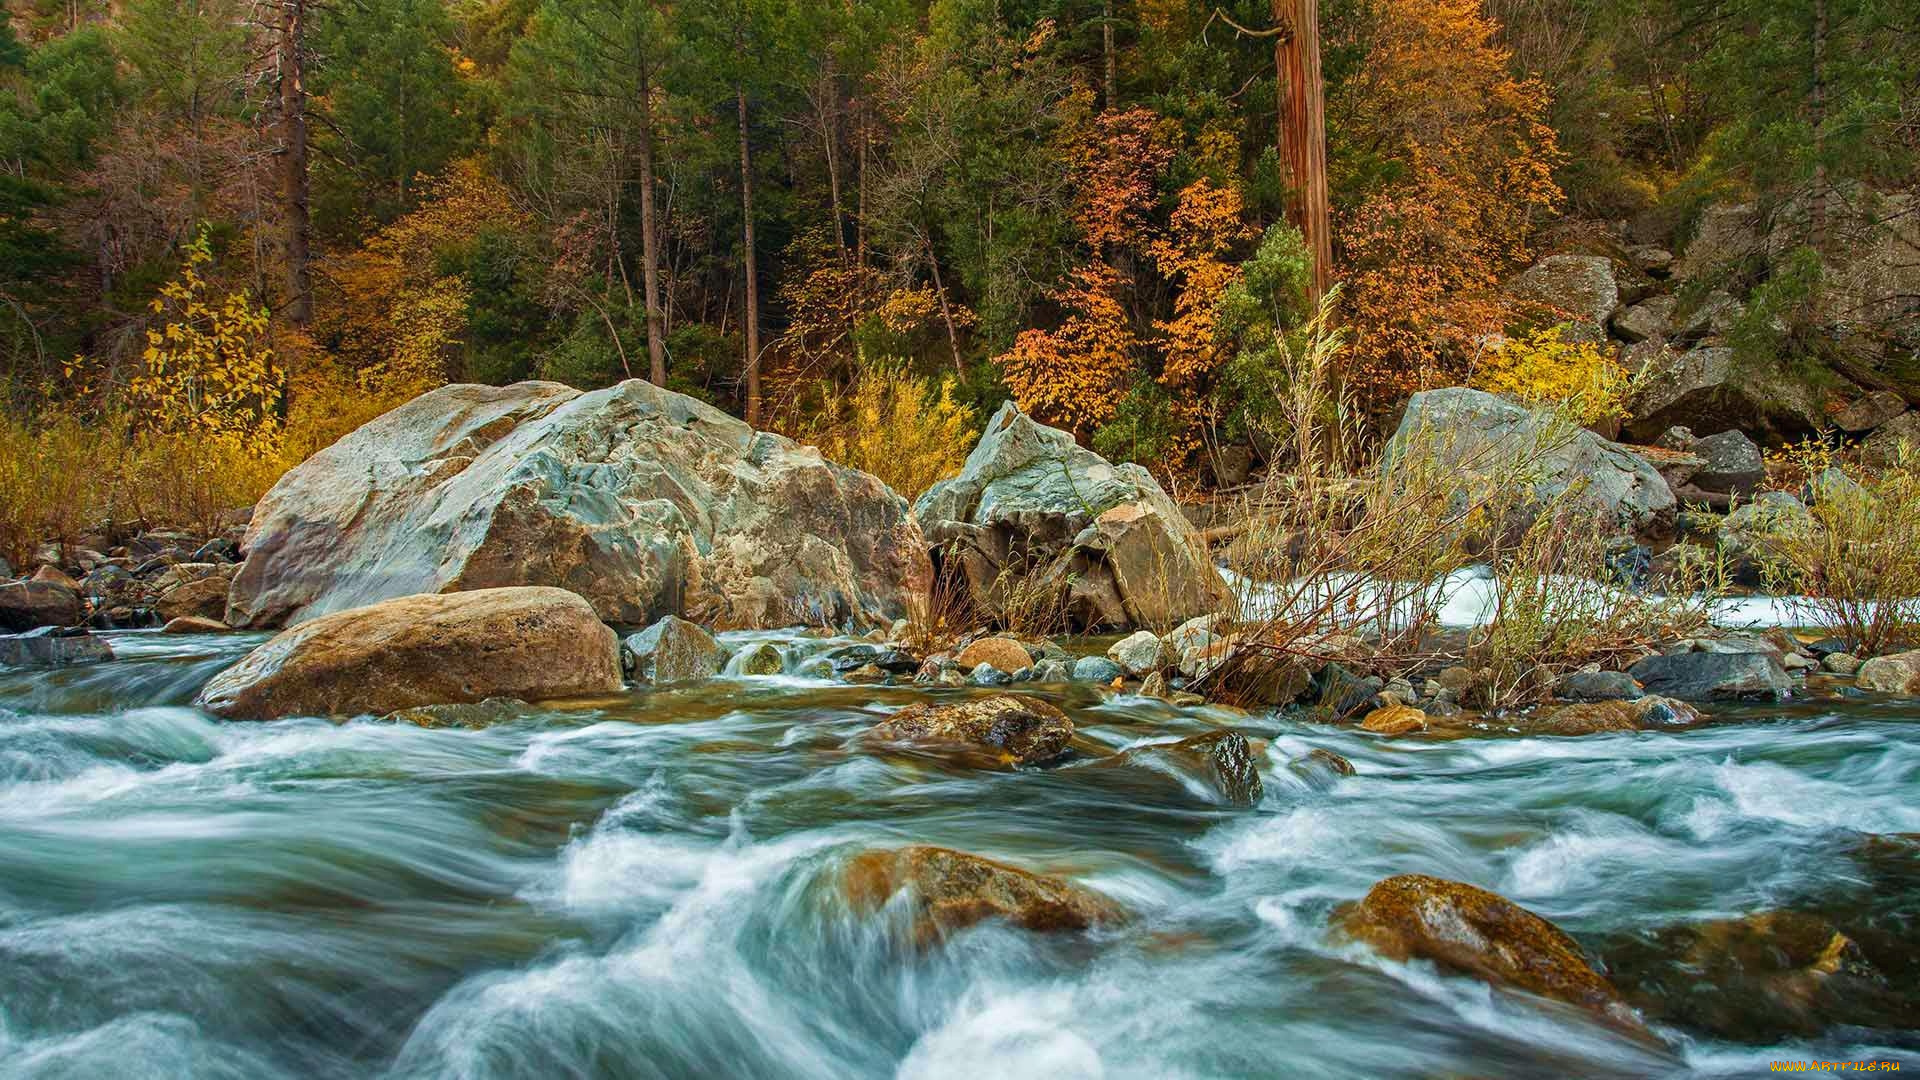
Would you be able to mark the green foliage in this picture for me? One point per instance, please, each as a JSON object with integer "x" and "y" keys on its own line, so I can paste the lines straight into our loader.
{"x": 1143, "y": 428}
{"x": 1256, "y": 314}
{"x": 1777, "y": 324}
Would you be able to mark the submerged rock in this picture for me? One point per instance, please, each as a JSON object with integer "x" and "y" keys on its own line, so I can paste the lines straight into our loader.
{"x": 762, "y": 659}
{"x": 194, "y": 624}
{"x": 479, "y": 714}
{"x": 645, "y": 502}
{"x": 1321, "y": 767}
{"x": 1021, "y": 729}
{"x": 52, "y": 646}
{"x": 434, "y": 649}
{"x": 671, "y": 651}
{"x": 1474, "y": 932}
{"x": 947, "y": 891}
{"x": 1104, "y": 538}
{"x": 1221, "y": 762}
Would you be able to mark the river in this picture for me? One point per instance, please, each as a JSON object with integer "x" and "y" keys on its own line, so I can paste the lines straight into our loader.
{"x": 640, "y": 887}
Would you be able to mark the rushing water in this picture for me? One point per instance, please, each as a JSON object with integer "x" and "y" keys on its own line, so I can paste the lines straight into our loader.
{"x": 642, "y": 887}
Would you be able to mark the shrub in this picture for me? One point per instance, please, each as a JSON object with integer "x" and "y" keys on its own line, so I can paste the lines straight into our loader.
{"x": 1541, "y": 368}
{"x": 1855, "y": 571}
{"x": 906, "y": 430}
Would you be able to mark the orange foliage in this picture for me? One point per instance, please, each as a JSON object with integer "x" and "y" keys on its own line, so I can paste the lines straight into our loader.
{"x": 1424, "y": 253}
{"x": 1075, "y": 377}
{"x": 1194, "y": 252}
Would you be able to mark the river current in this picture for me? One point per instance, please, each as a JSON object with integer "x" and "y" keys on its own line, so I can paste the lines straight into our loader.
{"x": 641, "y": 886}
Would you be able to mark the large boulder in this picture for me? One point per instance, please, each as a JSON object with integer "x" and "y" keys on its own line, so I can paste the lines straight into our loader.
{"x": 645, "y": 502}
{"x": 1477, "y": 436}
{"x": 1897, "y": 673}
{"x": 1896, "y": 440}
{"x": 1033, "y": 507}
{"x": 944, "y": 891}
{"x": 200, "y": 592}
{"x": 27, "y": 605}
{"x": 1471, "y": 931}
{"x": 1731, "y": 464}
{"x": 1021, "y": 730}
{"x": 671, "y": 651}
{"x": 1711, "y": 676}
{"x": 433, "y": 649}
{"x": 1649, "y": 320}
{"x": 1706, "y": 388}
{"x": 1580, "y": 286}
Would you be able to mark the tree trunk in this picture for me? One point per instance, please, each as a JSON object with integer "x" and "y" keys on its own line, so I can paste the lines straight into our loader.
{"x": 1817, "y": 200}
{"x": 1303, "y": 131}
{"x": 650, "y": 239}
{"x": 751, "y": 268}
{"x": 1109, "y": 73}
{"x": 294, "y": 184}
{"x": 946, "y": 312}
{"x": 827, "y": 108}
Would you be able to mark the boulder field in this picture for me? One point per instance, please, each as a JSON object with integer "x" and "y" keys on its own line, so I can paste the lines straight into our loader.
{"x": 645, "y": 502}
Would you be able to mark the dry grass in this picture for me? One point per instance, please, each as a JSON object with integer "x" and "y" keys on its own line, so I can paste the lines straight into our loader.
{"x": 1855, "y": 568}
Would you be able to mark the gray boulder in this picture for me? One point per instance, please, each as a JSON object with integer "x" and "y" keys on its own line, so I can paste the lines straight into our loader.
{"x": 52, "y": 646}
{"x": 645, "y": 502}
{"x": 1096, "y": 669}
{"x": 1139, "y": 653}
{"x": 1868, "y": 411}
{"x": 1598, "y": 686}
{"x": 1709, "y": 676}
{"x": 1893, "y": 439}
{"x": 1724, "y": 238}
{"x": 1713, "y": 318}
{"x": 1581, "y": 286}
{"x": 1706, "y": 389}
{"x": 1648, "y": 320}
{"x": 1478, "y": 435}
{"x": 670, "y": 651}
{"x": 1032, "y": 505}
{"x": 1732, "y": 464}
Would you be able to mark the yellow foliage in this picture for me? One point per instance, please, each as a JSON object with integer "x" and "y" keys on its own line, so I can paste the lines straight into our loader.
{"x": 907, "y": 431}
{"x": 1542, "y": 369}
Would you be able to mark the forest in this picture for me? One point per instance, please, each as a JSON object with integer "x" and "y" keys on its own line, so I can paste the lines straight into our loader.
{"x": 231, "y": 230}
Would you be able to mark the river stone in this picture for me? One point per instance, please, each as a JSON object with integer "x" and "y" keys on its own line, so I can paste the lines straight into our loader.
{"x": 1474, "y": 932}
{"x": 53, "y": 646}
{"x": 1096, "y": 669}
{"x": 761, "y": 659}
{"x": 1139, "y": 653}
{"x": 1032, "y": 503}
{"x": 203, "y": 597}
{"x": 1021, "y": 729}
{"x": 1052, "y": 671}
{"x": 1897, "y": 673}
{"x": 1708, "y": 676}
{"x": 645, "y": 502}
{"x": 1333, "y": 762}
{"x": 1395, "y": 720}
{"x": 194, "y": 624}
{"x": 26, "y": 605}
{"x": 988, "y": 675}
{"x": 1598, "y": 717}
{"x": 1219, "y": 762}
{"x": 1475, "y": 434}
{"x": 1733, "y": 464}
{"x": 1840, "y": 663}
{"x": 671, "y": 651}
{"x": 1597, "y": 686}
{"x": 530, "y": 643}
{"x": 1581, "y": 286}
{"x": 1004, "y": 653}
{"x": 475, "y": 715}
{"x": 948, "y": 891}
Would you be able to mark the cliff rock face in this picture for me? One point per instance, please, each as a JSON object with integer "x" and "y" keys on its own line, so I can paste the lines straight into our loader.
{"x": 1033, "y": 505}
{"x": 645, "y": 502}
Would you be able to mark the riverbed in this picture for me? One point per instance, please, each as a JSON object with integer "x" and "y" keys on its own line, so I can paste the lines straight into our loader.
{"x": 644, "y": 886}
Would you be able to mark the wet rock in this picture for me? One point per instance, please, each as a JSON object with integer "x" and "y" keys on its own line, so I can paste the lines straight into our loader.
{"x": 1096, "y": 669}
{"x": 1597, "y": 686}
{"x": 671, "y": 651}
{"x": 853, "y": 656}
{"x": 865, "y": 675}
{"x": 1221, "y": 762}
{"x": 1478, "y": 435}
{"x": 1395, "y": 720}
{"x": 1898, "y": 673}
{"x": 645, "y": 502}
{"x": 1021, "y": 729}
{"x": 1117, "y": 549}
{"x": 1155, "y": 686}
{"x": 26, "y": 605}
{"x": 1733, "y": 464}
{"x": 1474, "y": 932}
{"x": 194, "y": 624}
{"x": 53, "y": 646}
{"x": 1599, "y": 717}
{"x": 1710, "y": 676}
{"x": 1840, "y": 663}
{"x": 1344, "y": 693}
{"x": 1581, "y": 286}
{"x": 433, "y": 649}
{"x": 1757, "y": 978}
{"x": 988, "y": 675}
{"x": 1321, "y": 767}
{"x": 475, "y": 715}
{"x": 762, "y": 659}
{"x": 947, "y": 891}
{"x": 1005, "y": 654}
{"x": 1052, "y": 671}
{"x": 1139, "y": 653}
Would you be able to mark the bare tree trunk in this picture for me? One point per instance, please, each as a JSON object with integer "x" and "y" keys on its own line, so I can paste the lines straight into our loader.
{"x": 1817, "y": 202}
{"x": 1109, "y": 74}
{"x": 751, "y": 268}
{"x": 860, "y": 206}
{"x": 828, "y": 109}
{"x": 294, "y": 184}
{"x": 1303, "y": 131}
{"x": 650, "y": 239}
{"x": 946, "y": 312}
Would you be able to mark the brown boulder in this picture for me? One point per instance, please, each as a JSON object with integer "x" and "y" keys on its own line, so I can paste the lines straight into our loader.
{"x": 1222, "y": 762}
{"x": 1395, "y": 720}
{"x": 1596, "y": 717}
{"x": 1005, "y": 654}
{"x": 25, "y": 605}
{"x": 949, "y": 891}
{"x": 201, "y": 598}
{"x": 434, "y": 649}
{"x": 1019, "y": 729}
{"x": 1474, "y": 932}
{"x": 194, "y": 624}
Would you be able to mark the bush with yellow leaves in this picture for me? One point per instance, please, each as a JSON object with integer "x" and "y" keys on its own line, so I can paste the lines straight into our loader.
{"x": 1542, "y": 368}
{"x": 907, "y": 430}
